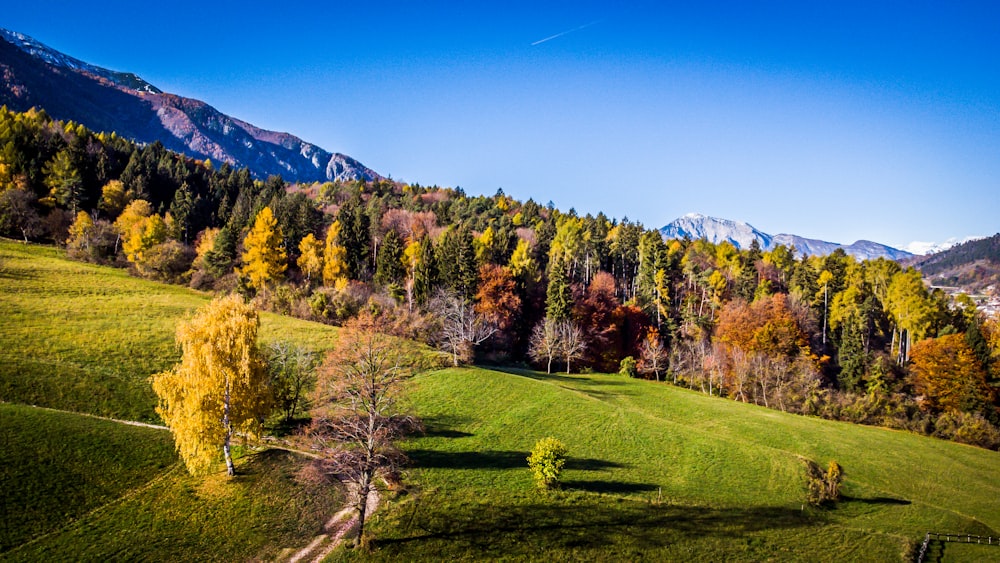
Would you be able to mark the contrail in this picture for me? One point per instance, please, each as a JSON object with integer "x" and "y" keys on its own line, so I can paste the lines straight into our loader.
{"x": 568, "y": 31}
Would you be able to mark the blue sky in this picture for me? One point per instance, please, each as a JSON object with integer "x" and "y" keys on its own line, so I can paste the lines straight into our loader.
{"x": 842, "y": 121}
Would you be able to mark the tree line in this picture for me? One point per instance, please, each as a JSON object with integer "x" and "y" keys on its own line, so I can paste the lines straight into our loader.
{"x": 494, "y": 279}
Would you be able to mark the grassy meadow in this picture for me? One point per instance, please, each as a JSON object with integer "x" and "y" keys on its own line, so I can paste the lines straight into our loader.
{"x": 77, "y": 488}
{"x": 654, "y": 472}
{"x": 661, "y": 473}
{"x": 86, "y": 338}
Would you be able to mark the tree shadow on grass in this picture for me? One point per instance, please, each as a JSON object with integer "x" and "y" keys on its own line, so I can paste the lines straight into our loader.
{"x": 575, "y": 379}
{"x": 875, "y": 500}
{"x": 443, "y": 427}
{"x": 496, "y": 459}
{"x": 518, "y": 529}
{"x": 283, "y": 427}
{"x": 468, "y": 460}
{"x": 591, "y": 464}
{"x": 609, "y": 487}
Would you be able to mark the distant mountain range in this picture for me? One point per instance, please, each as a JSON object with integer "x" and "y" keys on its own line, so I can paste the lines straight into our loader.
{"x": 34, "y": 75}
{"x": 742, "y": 235}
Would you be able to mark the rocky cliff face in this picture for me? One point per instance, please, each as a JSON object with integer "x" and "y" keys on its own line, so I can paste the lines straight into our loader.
{"x": 34, "y": 75}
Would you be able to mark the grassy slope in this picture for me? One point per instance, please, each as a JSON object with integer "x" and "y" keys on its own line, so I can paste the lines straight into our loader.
{"x": 78, "y": 488}
{"x": 82, "y": 337}
{"x": 56, "y": 466}
{"x": 729, "y": 474}
{"x": 86, "y": 338}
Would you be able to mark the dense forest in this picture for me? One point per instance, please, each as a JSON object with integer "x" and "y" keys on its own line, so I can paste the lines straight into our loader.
{"x": 494, "y": 280}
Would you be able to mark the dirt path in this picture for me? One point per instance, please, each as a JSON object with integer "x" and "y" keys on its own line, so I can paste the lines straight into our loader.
{"x": 343, "y": 524}
{"x": 98, "y": 417}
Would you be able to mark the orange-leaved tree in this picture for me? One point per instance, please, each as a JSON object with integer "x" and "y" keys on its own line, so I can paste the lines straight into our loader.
{"x": 356, "y": 423}
{"x": 947, "y": 373}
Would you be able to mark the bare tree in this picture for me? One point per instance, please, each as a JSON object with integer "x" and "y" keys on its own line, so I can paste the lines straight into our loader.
{"x": 571, "y": 342}
{"x": 545, "y": 344}
{"x": 462, "y": 329}
{"x": 355, "y": 425}
{"x": 17, "y": 213}
{"x": 653, "y": 354}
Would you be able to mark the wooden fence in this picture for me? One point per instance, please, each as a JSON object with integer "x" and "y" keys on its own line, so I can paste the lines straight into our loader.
{"x": 961, "y": 538}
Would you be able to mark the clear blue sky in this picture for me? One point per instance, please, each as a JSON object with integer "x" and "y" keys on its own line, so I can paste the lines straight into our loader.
{"x": 867, "y": 120}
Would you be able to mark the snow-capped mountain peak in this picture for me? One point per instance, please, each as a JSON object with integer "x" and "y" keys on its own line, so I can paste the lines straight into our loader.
{"x": 696, "y": 225}
{"x": 742, "y": 235}
{"x": 925, "y": 248}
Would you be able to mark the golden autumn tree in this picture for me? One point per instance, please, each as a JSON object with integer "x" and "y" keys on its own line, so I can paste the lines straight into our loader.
{"x": 264, "y": 259}
{"x": 947, "y": 373}
{"x": 134, "y": 213}
{"x": 219, "y": 389}
{"x": 335, "y": 266}
{"x": 79, "y": 231}
{"x": 310, "y": 260}
{"x": 114, "y": 198}
{"x": 653, "y": 355}
{"x": 144, "y": 234}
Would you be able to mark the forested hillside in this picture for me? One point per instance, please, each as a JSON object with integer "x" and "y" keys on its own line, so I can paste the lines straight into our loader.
{"x": 493, "y": 279}
{"x": 974, "y": 265}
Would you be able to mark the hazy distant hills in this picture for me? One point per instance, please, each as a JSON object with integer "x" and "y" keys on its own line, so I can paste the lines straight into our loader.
{"x": 34, "y": 75}
{"x": 742, "y": 235}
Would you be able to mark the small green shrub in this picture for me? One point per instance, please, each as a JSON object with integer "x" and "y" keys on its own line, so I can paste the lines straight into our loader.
{"x": 546, "y": 462}
{"x": 628, "y": 366}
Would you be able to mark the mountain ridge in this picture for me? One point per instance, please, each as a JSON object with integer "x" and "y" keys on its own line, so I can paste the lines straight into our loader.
{"x": 742, "y": 235}
{"x": 35, "y": 75}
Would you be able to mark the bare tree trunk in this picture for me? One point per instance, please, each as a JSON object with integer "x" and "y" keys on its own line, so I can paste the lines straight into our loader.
{"x": 363, "y": 491}
{"x": 230, "y": 468}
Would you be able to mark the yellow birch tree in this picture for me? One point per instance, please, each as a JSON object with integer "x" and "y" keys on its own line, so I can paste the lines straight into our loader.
{"x": 220, "y": 386}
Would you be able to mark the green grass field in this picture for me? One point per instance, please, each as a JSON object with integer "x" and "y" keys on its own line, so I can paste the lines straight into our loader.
{"x": 86, "y": 338}
{"x": 78, "y": 488}
{"x": 661, "y": 473}
{"x": 655, "y": 472}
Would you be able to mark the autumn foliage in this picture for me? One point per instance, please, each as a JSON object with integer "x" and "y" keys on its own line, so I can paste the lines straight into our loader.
{"x": 219, "y": 389}
{"x": 768, "y": 326}
{"x": 947, "y": 374}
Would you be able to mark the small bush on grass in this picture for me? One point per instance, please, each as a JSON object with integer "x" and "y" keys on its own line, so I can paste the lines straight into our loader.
{"x": 627, "y": 367}
{"x": 823, "y": 487}
{"x": 546, "y": 462}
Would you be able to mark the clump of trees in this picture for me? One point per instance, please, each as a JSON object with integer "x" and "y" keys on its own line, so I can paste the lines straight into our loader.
{"x": 823, "y": 487}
